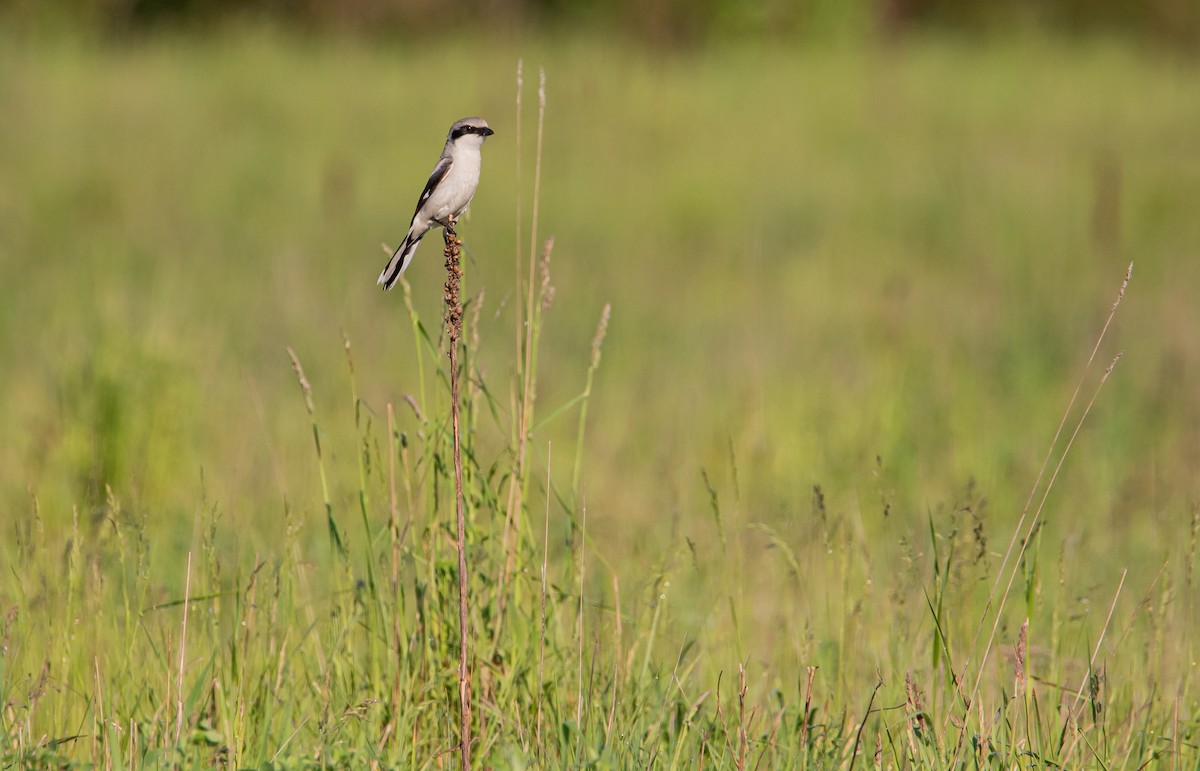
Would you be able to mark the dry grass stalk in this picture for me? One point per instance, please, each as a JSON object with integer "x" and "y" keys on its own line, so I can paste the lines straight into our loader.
{"x": 454, "y": 327}
{"x": 1091, "y": 680}
{"x": 528, "y": 320}
{"x": 394, "y": 529}
{"x": 1036, "y": 515}
{"x": 741, "y": 696}
{"x": 812, "y": 673}
{"x": 914, "y": 705}
{"x": 616, "y": 676}
{"x": 579, "y": 618}
{"x": 863, "y": 724}
{"x": 187, "y": 600}
{"x": 1020, "y": 652}
{"x": 594, "y": 363}
{"x": 542, "y": 626}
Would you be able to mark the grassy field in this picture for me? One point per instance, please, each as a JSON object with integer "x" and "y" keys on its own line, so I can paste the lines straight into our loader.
{"x": 778, "y": 503}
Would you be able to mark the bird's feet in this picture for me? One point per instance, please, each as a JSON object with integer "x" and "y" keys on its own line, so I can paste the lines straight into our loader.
{"x": 448, "y": 232}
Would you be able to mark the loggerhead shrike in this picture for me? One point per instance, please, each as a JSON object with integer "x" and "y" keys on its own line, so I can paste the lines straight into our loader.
{"x": 447, "y": 193}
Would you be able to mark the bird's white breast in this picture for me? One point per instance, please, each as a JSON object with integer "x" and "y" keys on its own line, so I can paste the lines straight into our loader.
{"x": 458, "y": 186}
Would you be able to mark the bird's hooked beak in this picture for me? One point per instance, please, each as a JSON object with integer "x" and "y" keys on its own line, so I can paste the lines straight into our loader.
{"x": 487, "y": 132}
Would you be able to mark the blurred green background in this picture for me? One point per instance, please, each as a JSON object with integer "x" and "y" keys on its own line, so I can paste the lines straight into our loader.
{"x": 866, "y": 245}
{"x": 819, "y": 251}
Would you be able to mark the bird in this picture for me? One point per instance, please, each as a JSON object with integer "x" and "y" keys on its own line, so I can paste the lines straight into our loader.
{"x": 447, "y": 194}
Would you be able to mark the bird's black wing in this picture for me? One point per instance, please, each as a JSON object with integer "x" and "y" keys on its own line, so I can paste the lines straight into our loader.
{"x": 439, "y": 172}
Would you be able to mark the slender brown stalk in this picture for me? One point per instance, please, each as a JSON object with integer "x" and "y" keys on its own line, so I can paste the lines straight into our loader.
{"x": 187, "y": 601}
{"x": 528, "y": 322}
{"x": 542, "y": 635}
{"x": 454, "y": 325}
{"x": 1091, "y": 669}
{"x": 740, "y": 761}
{"x": 812, "y": 673}
{"x": 394, "y": 522}
{"x": 863, "y": 724}
{"x": 1037, "y": 513}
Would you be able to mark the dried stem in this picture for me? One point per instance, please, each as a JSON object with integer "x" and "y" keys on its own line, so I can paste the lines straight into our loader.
{"x": 394, "y": 529}
{"x": 1038, "y": 511}
{"x": 454, "y": 325}
{"x": 528, "y": 322}
{"x": 187, "y": 601}
{"x": 542, "y": 633}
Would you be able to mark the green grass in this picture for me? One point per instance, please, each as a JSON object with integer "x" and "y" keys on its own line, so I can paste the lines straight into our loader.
{"x": 852, "y": 292}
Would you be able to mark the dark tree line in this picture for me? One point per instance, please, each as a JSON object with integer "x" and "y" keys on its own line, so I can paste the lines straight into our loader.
{"x": 666, "y": 22}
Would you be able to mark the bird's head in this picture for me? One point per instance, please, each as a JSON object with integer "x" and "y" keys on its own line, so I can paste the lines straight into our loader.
{"x": 469, "y": 131}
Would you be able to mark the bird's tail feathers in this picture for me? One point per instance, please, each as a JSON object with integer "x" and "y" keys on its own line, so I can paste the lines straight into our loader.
{"x": 399, "y": 262}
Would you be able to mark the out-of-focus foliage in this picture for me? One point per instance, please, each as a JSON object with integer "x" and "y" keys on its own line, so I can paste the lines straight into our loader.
{"x": 660, "y": 22}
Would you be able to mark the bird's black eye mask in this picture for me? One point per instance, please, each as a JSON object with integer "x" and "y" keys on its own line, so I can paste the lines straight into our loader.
{"x": 458, "y": 132}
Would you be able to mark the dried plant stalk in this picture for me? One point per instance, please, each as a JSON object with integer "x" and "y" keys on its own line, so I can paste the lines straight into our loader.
{"x": 454, "y": 326}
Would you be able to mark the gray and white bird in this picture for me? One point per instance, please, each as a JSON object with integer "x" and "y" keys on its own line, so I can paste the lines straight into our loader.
{"x": 447, "y": 193}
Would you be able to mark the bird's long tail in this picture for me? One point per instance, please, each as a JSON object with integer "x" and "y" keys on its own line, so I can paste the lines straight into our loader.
{"x": 400, "y": 260}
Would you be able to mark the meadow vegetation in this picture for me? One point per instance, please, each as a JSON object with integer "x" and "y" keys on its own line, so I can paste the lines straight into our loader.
{"x": 748, "y": 446}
